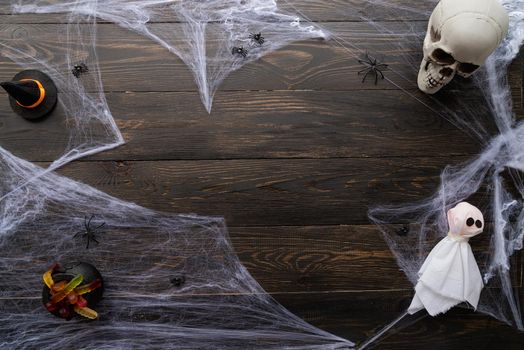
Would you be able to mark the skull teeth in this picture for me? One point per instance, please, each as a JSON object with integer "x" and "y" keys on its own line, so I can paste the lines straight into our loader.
{"x": 432, "y": 82}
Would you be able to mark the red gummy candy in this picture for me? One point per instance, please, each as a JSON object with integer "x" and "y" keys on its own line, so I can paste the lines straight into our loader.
{"x": 81, "y": 302}
{"x": 64, "y": 312}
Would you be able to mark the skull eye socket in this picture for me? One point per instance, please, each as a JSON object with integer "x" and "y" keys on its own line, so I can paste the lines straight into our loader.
{"x": 467, "y": 68}
{"x": 478, "y": 223}
{"x": 470, "y": 222}
{"x": 442, "y": 57}
{"x": 447, "y": 72}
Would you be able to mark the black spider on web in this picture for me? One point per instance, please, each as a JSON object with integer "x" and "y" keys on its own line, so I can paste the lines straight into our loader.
{"x": 79, "y": 69}
{"x": 239, "y": 51}
{"x": 257, "y": 38}
{"x": 89, "y": 232}
{"x": 373, "y": 66}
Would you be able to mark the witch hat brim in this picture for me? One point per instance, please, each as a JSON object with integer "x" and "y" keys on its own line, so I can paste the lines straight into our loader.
{"x": 43, "y": 108}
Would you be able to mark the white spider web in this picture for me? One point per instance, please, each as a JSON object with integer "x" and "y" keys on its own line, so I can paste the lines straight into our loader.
{"x": 206, "y": 33}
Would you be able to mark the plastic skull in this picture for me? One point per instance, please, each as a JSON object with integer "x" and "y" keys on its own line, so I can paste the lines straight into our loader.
{"x": 461, "y": 35}
{"x": 465, "y": 220}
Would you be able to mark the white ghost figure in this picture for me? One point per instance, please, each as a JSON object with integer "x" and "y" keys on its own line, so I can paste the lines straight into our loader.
{"x": 450, "y": 274}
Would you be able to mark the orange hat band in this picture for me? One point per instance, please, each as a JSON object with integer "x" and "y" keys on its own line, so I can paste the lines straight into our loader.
{"x": 40, "y": 99}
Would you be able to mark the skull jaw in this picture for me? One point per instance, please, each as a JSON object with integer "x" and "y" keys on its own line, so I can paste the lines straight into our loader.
{"x": 429, "y": 80}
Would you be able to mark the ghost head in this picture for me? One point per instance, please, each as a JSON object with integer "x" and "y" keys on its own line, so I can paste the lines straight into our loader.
{"x": 461, "y": 35}
{"x": 465, "y": 220}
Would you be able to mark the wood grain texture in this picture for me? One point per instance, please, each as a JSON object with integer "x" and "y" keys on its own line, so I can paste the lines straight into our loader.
{"x": 359, "y": 316}
{"x": 326, "y": 259}
{"x": 294, "y": 153}
{"x": 334, "y": 10}
{"x": 267, "y": 191}
{"x": 255, "y": 124}
{"x": 131, "y": 62}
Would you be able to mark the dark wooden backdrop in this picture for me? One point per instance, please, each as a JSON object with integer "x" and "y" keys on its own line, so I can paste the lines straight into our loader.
{"x": 294, "y": 152}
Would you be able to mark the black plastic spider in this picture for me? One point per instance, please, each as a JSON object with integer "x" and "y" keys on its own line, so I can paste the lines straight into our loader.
{"x": 79, "y": 69}
{"x": 257, "y": 38}
{"x": 89, "y": 233}
{"x": 178, "y": 281}
{"x": 373, "y": 66}
{"x": 403, "y": 231}
{"x": 240, "y": 51}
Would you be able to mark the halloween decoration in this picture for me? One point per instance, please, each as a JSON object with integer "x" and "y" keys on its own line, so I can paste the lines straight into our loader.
{"x": 142, "y": 301}
{"x": 72, "y": 289}
{"x": 178, "y": 281}
{"x": 32, "y": 94}
{"x": 83, "y": 123}
{"x": 225, "y": 22}
{"x": 239, "y": 51}
{"x": 79, "y": 69}
{"x": 453, "y": 43}
{"x": 89, "y": 232}
{"x": 170, "y": 281}
{"x": 450, "y": 274}
{"x": 373, "y": 67}
{"x": 481, "y": 108}
{"x": 257, "y": 38}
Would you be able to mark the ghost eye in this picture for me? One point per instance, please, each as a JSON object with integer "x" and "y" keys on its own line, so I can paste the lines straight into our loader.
{"x": 478, "y": 223}
{"x": 470, "y": 222}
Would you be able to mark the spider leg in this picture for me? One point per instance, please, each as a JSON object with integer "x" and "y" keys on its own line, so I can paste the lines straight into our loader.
{"x": 91, "y": 218}
{"x": 364, "y": 70}
{"x": 95, "y": 240}
{"x": 366, "y": 75}
{"x": 87, "y": 246}
{"x": 100, "y": 226}
{"x": 381, "y": 74}
{"x": 376, "y": 76}
{"x": 76, "y": 234}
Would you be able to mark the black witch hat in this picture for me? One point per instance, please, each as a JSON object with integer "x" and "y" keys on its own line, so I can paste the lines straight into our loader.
{"x": 32, "y": 94}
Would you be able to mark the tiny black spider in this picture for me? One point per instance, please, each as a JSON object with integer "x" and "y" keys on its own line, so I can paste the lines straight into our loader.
{"x": 257, "y": 38}
{"x": 178, "y": 281}
{"x": 403, "y": 231}
{"x": 373, "y": 66}
{"x": 79, "y": 69}
{"x": 88, "y": 232}
{"x": 240, "y": 51}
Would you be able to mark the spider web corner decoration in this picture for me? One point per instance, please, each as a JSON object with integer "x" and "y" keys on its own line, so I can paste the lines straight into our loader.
{"x": 213, "y": 38}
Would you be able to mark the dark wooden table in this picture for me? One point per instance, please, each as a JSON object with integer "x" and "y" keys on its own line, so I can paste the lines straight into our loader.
{"x": 294, "y": 152}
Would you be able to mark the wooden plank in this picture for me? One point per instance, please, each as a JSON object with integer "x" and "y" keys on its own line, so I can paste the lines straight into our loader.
{"x": 316, "y": 10}
{"x": 130, "y": 62}
{"x": 277, "y": 124}
{"x": 316, "y": 259}
{"x": 268, "y": 192}
{"x": 358, "y": 316}
{"x": 342, "y": 258}
{"x": 283, "y": 259}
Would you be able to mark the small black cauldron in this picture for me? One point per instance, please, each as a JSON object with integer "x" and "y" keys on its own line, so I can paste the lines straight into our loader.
{"x": 66, "y": 272}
